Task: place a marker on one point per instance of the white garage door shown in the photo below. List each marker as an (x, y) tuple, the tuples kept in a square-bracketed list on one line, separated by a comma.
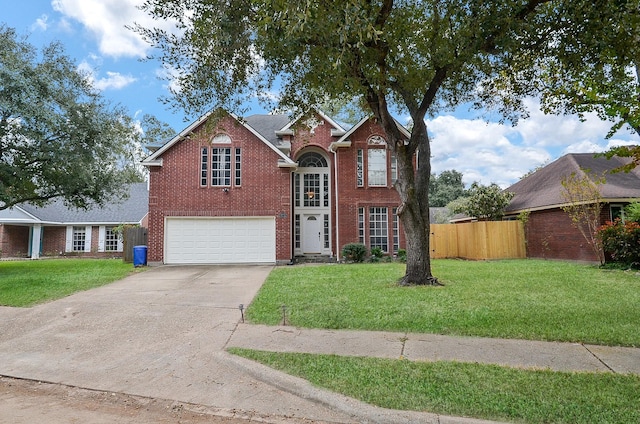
[(220, 240)]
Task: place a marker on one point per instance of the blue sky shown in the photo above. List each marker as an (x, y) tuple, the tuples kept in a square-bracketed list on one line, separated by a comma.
[(94, 35)]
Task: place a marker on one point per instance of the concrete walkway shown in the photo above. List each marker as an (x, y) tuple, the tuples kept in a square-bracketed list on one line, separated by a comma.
[(430, 347), (163, 334)]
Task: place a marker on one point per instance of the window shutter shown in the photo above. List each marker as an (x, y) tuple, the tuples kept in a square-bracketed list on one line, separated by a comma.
[(101, 237), (87, 240)]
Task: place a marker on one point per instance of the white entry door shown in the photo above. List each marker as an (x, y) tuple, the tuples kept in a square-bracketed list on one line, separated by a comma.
[(312, 234)]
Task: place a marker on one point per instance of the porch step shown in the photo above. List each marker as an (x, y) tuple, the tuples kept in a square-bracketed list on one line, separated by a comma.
[(314, 259)]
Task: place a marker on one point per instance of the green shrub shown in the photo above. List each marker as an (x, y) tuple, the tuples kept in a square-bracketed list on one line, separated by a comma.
[(632, 211), (402, 255), (621, 242), (354, 252)]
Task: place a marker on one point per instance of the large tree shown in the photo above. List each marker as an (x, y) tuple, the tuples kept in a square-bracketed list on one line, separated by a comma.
[(486, 203), (445, 188), (412, 56), (599, 74), (58, 137)]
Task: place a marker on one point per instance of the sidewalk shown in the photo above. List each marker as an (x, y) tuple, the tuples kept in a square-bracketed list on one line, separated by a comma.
[(429, 347)]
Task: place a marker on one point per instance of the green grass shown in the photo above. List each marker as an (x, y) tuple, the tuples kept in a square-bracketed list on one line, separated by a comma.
[(522, 299), (480, 391), (26, 283)]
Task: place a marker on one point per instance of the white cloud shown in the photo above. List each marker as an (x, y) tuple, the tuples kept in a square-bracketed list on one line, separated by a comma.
[(171, 75), (544, 130), (113, 80), (41, 23), (107, 21), (481, 151), (501, 154)]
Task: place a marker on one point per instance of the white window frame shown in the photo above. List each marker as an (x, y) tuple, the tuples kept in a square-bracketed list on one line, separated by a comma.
[(204, 166), (379, 228), (360, 168), (69, 245), (102, 239), (237, 166), (220, 166), (377, 167)]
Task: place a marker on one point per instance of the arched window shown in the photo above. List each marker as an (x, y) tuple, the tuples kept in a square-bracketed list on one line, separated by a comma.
[(221, 139), (312, 160)]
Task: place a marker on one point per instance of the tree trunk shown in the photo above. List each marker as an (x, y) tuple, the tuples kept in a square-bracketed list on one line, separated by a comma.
[(413, 187)]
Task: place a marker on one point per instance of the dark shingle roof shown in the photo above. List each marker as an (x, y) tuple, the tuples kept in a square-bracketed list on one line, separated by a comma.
[(544, 187), (267, 125), (131, 210)]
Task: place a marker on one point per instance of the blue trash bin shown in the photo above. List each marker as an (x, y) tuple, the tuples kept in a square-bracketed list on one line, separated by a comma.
[(139, 256)]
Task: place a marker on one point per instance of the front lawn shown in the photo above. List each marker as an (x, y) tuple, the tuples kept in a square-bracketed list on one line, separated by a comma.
[(525, 299), (475, 390), (26, 283), (522, 299)]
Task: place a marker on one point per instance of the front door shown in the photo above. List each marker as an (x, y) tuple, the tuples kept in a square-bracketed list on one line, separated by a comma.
[(312, 237), (312, 203)]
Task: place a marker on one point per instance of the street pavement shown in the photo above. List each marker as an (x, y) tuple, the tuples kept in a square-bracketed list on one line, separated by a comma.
[(163, 334)]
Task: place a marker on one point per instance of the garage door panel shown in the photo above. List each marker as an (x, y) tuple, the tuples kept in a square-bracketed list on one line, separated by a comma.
[(220, 240)]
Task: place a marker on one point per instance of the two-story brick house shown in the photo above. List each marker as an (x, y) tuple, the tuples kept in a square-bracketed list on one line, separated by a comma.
[(262, 189)]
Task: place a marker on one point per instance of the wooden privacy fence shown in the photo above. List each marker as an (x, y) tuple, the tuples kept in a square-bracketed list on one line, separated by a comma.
[(478, 240), (133, 236)]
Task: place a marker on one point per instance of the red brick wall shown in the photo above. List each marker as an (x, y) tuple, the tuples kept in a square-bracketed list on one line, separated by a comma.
[(14, 241), (53, 241), (353, 197), (551, 235), (175, 187)]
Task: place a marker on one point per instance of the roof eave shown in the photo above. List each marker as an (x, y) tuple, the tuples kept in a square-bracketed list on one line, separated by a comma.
[(157, 162)]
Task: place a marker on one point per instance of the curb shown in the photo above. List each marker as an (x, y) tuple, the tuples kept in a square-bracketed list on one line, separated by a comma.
[(359, 411)]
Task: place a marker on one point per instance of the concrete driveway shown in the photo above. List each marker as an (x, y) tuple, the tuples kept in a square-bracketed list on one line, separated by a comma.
[(159, 333)]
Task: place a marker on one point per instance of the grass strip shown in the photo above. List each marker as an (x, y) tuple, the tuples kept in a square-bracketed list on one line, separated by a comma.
[(27, 283), (522, 299), (463, 389)]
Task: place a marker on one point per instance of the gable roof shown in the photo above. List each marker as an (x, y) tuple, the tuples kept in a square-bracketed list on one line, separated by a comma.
[(543, 188), (353, 129), (337, 129), (155, 159), (130, 211)]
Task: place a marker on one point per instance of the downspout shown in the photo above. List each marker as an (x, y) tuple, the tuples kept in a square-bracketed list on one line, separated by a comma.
[(333, 149)]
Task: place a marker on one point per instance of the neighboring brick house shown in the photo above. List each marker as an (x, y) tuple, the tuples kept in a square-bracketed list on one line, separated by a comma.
[(550, 232), (262, 189), (57, 230)]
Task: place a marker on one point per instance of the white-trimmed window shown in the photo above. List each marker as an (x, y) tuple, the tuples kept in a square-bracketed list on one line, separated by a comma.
[(111, 240), (396, 231), (78, 238), (361, 239), (360, 169), (394, 168), (238, 165), (379, 228), (108, 239), (221, 139), (204, 166), (220, 166), (377, 167)]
